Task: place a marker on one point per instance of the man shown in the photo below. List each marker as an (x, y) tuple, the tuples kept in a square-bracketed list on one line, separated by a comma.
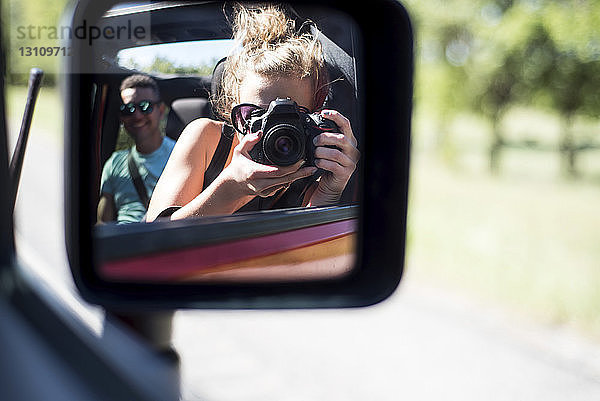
[(141, 113)]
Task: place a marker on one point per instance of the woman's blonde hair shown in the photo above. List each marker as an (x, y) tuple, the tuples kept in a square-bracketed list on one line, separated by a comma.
[(269, 44)]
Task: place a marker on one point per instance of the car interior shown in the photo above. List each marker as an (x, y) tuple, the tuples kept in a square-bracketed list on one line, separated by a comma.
[(187, 96)]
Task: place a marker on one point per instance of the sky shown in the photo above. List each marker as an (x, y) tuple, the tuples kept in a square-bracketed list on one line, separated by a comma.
[(181, 53)]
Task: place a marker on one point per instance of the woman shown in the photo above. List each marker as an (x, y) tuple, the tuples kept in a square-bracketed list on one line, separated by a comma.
[(272, 61)]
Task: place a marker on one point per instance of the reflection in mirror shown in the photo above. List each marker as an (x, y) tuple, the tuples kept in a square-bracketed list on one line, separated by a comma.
[(235, 132)]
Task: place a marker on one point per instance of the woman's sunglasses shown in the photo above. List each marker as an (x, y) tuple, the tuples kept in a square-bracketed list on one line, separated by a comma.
[(241, 115), (244, 112), (146, 107)]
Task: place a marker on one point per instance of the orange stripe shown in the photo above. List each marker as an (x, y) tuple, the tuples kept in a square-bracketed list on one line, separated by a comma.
[(176, 264), (325, 260)]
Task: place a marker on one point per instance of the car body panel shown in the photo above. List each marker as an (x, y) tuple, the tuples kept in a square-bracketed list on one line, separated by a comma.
[(321, 251)]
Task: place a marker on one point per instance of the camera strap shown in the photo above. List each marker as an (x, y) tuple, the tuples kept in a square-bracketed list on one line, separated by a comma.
[(217, 163)]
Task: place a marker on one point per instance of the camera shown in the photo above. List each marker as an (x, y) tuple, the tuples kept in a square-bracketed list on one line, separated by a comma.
[(288, 134)]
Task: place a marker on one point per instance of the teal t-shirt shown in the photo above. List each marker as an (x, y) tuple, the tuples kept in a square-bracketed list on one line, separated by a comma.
[(117, 181)]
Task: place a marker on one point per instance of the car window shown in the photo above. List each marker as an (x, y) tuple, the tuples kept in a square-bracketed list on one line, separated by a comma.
[(181, 58)]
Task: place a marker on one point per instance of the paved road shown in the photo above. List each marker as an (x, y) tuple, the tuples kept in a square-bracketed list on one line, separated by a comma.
[(423, 344)]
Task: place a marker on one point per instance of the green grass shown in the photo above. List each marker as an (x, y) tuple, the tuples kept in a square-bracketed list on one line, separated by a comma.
[(528, 238), (48, 114)]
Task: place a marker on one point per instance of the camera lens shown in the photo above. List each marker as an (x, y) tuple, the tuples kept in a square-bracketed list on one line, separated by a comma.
[(283, 145)]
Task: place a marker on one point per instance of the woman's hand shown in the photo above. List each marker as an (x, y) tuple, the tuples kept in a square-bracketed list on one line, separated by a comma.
[(256, 179), (338, 163)]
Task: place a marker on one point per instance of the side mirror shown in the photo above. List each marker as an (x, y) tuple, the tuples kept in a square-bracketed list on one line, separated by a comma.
[(345, 255)]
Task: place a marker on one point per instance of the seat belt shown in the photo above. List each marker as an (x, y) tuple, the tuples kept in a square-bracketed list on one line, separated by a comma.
[(137, 181)]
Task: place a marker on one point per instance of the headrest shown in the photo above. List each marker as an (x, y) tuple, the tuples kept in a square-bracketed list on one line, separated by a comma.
[(183, 111), (188, 109), (215, 84), (343, 90)]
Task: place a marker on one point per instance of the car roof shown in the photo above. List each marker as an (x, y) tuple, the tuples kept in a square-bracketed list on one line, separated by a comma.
[(204, 20), (170, 22)]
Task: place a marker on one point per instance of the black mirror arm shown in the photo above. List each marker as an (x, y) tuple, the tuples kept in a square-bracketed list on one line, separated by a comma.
[(16, 163)]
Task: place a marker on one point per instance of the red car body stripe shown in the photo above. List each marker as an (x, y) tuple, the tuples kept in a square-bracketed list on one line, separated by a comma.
[(172, 265)]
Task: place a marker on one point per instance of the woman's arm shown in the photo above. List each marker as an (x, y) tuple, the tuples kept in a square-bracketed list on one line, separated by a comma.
[(183, 177)]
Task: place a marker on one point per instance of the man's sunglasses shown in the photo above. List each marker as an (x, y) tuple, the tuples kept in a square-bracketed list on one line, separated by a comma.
[(146, 107), (242, 113)]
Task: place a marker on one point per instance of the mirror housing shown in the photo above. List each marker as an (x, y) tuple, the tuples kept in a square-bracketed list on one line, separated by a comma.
[(386, 76)]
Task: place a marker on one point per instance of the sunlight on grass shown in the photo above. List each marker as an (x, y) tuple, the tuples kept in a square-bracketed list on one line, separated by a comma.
[(527, 238)]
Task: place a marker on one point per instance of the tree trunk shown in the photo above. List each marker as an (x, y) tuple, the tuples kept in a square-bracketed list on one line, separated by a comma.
[(568, 149), (496, 146)]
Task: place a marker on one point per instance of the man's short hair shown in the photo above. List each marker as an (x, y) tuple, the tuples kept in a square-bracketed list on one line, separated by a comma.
[(140, 81)]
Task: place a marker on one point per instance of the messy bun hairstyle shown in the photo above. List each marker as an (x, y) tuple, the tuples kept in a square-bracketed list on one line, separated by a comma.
[(268, 43)]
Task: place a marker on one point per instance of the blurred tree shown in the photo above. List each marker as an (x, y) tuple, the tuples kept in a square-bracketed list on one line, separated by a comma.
[(164, 65), (443, 42), (29, 24), (573, 86), (490, 55), (521, 69)]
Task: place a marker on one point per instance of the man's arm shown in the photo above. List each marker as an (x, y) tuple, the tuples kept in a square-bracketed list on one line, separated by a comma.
[(107, 211)]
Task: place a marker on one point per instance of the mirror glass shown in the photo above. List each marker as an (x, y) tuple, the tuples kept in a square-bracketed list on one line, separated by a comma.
[(245, 150)]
